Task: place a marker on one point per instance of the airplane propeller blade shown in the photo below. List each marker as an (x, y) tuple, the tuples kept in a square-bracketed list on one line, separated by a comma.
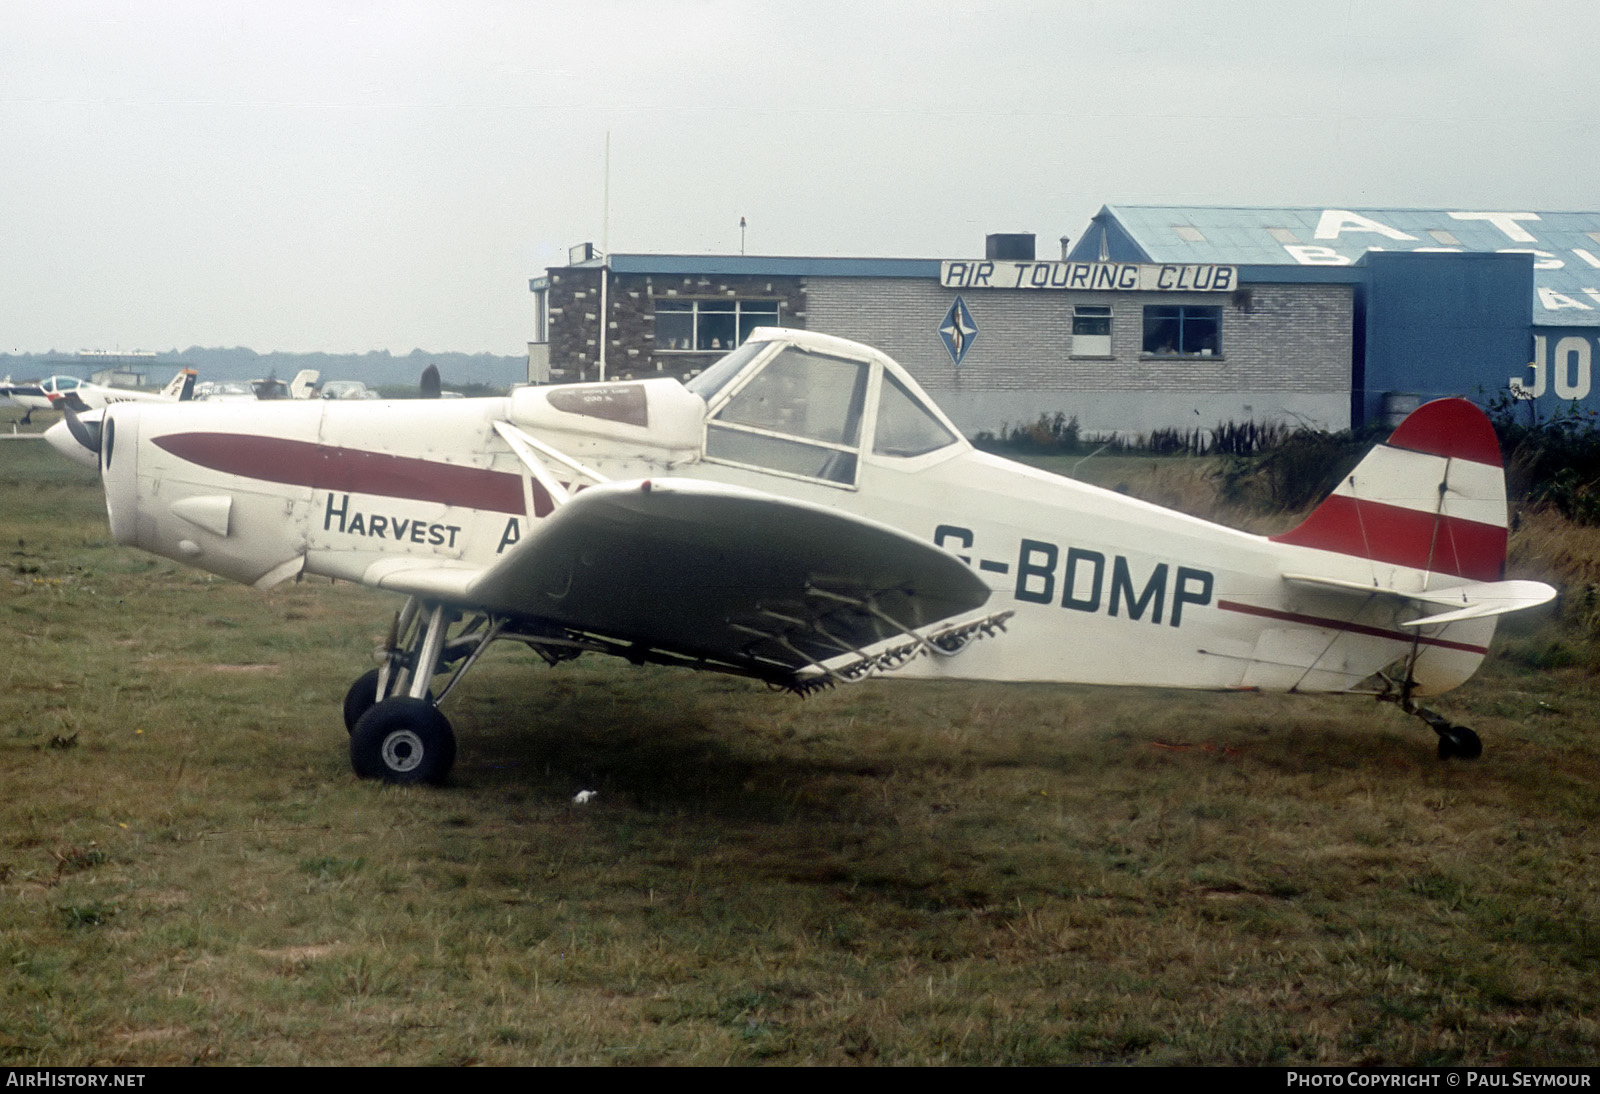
[(430, 382), (72, 401), (85, 433)]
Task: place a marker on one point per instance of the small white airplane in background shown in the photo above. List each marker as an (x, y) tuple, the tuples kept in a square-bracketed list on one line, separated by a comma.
[(303, 386), (83, 396), (346, 389), (801, 513)]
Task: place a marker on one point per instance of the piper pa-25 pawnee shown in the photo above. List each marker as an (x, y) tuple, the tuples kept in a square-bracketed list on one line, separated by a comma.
[(802, 514)]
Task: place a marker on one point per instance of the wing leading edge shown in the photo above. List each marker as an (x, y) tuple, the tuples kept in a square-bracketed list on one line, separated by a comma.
[(720, 574)]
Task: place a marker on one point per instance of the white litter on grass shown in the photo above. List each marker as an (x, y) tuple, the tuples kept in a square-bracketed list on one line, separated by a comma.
[(584, 797)]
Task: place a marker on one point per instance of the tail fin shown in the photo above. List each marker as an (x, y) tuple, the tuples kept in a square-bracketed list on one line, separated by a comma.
[(304, 383), (1421, 521), (1432, 498), (181, 386)]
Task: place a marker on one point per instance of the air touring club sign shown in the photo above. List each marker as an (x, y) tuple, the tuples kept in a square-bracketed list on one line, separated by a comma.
[(995, 273)]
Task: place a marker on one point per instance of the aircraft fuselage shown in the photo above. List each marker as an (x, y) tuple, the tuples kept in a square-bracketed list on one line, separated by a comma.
[(1106, 589)]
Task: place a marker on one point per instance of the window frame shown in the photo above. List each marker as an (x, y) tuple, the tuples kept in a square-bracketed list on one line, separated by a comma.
[(729, 392), (1186, 313), (1093, 312), (887, 381), (768, 309)]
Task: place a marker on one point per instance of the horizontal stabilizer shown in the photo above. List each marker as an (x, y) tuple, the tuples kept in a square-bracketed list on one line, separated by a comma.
[(1471, 600)]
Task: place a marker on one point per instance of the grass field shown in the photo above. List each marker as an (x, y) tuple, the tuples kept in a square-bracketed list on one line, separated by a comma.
[(888, 873)]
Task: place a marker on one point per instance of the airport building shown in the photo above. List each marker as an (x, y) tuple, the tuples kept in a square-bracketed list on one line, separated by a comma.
[(1449, 301), (1159, 317)]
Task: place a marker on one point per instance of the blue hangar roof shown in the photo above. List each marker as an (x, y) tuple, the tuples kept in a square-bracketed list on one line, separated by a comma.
[(1565, 246)]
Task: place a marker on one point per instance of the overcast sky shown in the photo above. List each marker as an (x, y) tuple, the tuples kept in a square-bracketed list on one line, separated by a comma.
[(348, 176)]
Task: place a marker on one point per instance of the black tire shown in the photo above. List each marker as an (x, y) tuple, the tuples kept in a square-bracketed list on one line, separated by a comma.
[(1461, 742), (403, 740), (1469, 746), (361, 697)]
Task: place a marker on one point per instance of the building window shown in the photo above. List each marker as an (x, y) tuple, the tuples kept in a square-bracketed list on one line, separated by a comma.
[(1091, 331), (710, 326), (1182, 331)]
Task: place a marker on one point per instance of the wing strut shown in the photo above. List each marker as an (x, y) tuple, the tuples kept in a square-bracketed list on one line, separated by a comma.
[(530, 450)]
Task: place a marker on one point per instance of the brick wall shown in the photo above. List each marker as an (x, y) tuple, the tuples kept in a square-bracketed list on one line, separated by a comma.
[(1289, 337), (1285, 349), (1277, 341)]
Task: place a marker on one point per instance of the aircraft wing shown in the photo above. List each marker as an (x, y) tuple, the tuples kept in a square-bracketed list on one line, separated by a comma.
[(715, 573)]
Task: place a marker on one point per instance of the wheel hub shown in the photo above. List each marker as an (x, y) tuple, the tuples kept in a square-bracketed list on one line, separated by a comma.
[(402, 751)]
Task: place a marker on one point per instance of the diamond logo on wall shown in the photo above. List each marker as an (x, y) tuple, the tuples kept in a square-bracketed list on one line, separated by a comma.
[(958, 331)]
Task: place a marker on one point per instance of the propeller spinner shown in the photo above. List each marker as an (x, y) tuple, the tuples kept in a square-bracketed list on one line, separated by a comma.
[(78, 436)]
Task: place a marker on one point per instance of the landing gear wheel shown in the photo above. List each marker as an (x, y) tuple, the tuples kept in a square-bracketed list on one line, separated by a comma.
[(361, 697), (403, 740), (1459, 741)]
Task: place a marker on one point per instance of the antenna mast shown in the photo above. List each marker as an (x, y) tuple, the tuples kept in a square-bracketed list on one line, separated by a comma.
[(605, 260)]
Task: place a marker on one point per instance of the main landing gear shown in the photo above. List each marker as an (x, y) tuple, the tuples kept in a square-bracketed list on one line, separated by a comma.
[(397, 733)]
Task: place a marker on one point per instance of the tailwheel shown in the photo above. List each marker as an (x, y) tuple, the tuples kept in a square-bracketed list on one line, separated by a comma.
[(1455, 742), (1458, 741), (403, 740)]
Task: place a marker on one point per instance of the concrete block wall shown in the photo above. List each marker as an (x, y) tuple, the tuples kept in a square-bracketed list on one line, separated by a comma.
[(1286, 353)]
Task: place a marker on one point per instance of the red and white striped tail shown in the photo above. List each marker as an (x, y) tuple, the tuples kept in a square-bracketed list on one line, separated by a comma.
[(1432, 498)]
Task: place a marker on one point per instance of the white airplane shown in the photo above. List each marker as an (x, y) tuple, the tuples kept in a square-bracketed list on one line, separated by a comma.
[(801, 513), (83, 396), (303, 386)]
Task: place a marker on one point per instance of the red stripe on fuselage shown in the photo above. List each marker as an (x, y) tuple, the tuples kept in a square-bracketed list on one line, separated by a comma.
[(328, 467), (1405, 537), (1341, 625)]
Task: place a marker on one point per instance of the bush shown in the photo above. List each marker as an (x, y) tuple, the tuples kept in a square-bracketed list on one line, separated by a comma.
[(1555, 461), (1053, 434), (1059, 435)]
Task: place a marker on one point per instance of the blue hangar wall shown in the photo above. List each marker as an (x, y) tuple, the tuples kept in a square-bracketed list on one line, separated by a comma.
[(1439, 324)]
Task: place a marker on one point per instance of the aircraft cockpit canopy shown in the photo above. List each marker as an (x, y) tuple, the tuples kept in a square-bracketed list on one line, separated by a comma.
[(788, 406)]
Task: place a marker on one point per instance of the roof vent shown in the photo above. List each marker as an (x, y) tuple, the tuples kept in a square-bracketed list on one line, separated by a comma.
[(1015, 246)]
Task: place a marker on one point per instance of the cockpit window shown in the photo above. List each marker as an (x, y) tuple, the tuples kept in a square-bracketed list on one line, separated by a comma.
[(714, 379), (905, 426), (801, 415), (804, 395)]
